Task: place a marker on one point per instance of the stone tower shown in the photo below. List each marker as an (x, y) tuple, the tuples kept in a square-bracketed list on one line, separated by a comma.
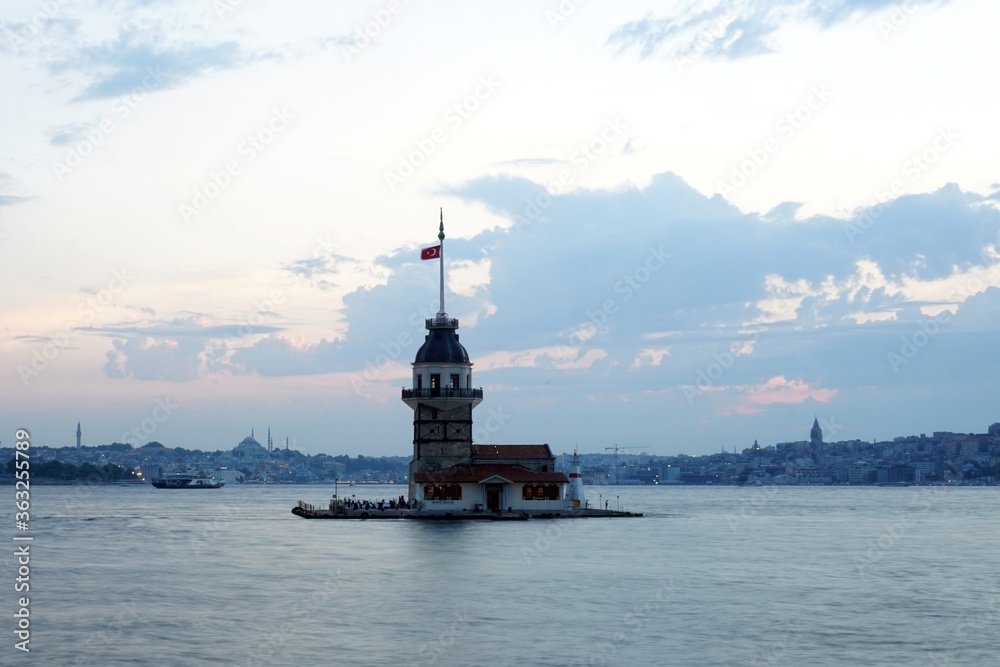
[(816, 440), (441, 393)]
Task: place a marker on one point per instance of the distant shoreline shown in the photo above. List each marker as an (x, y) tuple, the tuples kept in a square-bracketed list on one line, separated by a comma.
[(9, 481)]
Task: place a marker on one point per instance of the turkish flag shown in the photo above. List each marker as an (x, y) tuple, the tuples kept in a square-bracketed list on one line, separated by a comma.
[(431, 253)]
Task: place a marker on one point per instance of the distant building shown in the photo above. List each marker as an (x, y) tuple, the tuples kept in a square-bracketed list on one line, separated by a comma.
[(79, 434), (249, 449), (227, 475), (861, 473), (816, 441)]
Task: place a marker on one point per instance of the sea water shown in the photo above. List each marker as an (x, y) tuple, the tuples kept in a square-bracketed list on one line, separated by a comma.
[(709, 576)]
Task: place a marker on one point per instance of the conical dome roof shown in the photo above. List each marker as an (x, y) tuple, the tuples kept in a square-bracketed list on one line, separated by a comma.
[(441, 345)]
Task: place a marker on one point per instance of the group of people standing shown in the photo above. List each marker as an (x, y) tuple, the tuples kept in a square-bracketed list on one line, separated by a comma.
[(353, 503)]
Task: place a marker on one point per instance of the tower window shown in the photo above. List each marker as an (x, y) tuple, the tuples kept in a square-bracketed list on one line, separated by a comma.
[(455, 380), (435, 383), (420, 382)]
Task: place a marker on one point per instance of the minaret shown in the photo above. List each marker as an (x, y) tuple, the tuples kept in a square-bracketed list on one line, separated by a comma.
[(270, 443), (79, 434), (441, 395)]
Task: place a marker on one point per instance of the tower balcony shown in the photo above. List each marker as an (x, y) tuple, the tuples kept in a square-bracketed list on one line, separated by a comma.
[(441, 322), (443, 392)]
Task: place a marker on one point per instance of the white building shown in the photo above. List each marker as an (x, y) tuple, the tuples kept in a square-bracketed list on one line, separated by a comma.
[(227, 475)]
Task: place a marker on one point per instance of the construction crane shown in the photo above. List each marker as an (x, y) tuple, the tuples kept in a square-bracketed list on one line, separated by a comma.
[(615, 449)]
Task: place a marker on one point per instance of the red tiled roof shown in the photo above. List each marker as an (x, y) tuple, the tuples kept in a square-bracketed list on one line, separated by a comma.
[(494, 452), (477, 472)]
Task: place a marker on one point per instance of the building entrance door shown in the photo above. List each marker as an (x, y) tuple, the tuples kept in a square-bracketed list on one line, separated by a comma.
[(493, 497)]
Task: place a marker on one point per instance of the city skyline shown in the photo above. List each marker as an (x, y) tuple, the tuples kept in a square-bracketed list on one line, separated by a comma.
[(668, 227), (817, 434)]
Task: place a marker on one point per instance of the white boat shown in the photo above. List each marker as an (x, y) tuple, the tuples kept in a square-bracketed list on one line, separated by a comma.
[(187, 481)]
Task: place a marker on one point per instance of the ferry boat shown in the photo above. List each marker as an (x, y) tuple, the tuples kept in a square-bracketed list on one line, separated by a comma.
[(187, 481)]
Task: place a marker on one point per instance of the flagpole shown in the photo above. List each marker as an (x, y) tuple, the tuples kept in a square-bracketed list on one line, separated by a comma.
[(441, 257)]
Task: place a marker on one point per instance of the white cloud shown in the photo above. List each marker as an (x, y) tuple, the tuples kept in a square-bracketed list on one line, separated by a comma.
[(778, 390), (649, 357), (740, 28)]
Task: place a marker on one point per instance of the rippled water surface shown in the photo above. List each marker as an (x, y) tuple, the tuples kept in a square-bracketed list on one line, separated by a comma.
[(709, 576)]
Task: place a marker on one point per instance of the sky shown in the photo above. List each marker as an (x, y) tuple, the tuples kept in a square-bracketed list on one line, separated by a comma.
[(671, 227)]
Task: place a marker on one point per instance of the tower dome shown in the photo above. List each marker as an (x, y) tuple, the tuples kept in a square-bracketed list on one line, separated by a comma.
[(441, 344)]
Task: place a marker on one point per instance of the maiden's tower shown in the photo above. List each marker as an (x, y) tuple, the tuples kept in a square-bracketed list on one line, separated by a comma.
[(449, 475)]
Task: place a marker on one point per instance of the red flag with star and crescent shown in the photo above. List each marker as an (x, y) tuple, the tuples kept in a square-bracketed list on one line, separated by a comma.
[(431, 253)]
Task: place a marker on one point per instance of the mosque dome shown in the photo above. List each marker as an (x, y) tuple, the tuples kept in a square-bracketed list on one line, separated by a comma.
[(249, 447)]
